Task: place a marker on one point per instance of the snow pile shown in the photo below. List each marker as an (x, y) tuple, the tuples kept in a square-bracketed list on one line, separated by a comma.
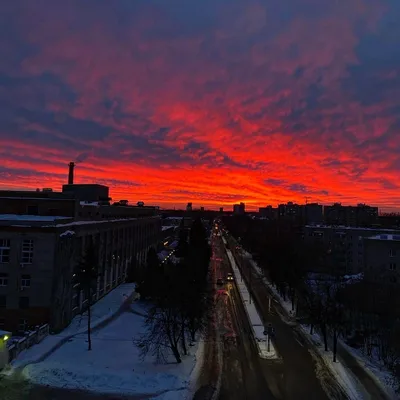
[(114, 365), (252, 313), (104, 309), (67, 233)]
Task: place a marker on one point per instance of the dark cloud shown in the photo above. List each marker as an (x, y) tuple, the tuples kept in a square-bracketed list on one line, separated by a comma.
[(215, 95)]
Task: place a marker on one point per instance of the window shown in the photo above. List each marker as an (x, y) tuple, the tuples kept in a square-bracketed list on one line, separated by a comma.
[(27, 251), (22, 324), (392, 253), (392, 266), (3, 279), (23, 302), (25, 281), (4, 251), (3, 301)]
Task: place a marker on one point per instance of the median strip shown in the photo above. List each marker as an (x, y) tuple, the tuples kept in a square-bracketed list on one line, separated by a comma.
[(265, 347)]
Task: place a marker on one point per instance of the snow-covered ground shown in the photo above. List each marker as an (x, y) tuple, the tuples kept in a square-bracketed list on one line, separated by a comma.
[(102, 310), (375, 369), (252, 313), (114, 365), (343, 375)]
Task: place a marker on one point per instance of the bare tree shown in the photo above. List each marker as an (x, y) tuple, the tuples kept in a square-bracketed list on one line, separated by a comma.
[(163, 332), (86, 274)]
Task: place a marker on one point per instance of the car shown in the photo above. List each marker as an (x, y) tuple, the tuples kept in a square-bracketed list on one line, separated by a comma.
[(220, 281), (229, 277)]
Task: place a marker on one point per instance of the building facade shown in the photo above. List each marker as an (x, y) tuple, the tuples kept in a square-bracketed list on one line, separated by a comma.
[(382, 258), (38, 257), (345, 243), (239, 209), (361, 215)]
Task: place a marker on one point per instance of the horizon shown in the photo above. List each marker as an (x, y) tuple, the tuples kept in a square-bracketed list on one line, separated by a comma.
[(214, 103)]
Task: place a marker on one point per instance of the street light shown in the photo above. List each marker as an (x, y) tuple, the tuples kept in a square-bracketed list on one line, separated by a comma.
[(268, 333)]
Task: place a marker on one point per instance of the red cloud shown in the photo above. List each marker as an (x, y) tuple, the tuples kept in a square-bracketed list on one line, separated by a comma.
[(203, 110)]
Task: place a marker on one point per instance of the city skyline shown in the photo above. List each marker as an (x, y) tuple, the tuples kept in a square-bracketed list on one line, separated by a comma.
[(214, 103)]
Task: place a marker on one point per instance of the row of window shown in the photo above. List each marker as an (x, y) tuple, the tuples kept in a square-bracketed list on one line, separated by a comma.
[(25, 280), (23, 302), (26, 251)]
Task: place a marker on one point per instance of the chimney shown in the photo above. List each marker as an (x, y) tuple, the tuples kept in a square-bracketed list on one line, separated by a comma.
[(71, 166)]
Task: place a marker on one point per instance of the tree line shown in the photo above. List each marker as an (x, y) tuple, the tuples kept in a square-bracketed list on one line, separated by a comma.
[(364, 310), (179, 295)]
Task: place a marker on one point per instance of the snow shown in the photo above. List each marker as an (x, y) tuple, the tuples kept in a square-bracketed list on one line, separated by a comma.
[(67, 233), (256, 322), (114, 365), (4, 333), (355, 228), (104, 309), (386, 237), (164, 228), (375, 370), (32, 218), (343, 375)]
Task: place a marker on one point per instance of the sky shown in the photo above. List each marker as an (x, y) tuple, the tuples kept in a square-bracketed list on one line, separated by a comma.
[(212, 101)]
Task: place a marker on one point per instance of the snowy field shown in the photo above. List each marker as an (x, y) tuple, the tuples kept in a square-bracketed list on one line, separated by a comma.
[(114, 365), (104, 309), (252, 313)]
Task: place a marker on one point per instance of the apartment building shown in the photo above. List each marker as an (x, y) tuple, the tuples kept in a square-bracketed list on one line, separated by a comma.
[(361, 215), (38, 255), (300, 213), (382, 258), (345, 243)]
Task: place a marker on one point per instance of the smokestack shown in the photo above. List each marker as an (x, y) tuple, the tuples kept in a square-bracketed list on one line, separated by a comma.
[(71, 166)]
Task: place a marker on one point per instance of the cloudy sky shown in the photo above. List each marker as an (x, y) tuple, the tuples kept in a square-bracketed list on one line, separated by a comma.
[(211, 101)]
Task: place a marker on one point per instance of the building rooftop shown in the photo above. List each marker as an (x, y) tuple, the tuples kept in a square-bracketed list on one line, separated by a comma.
[(394, 231), (30, 220), (386, 237)]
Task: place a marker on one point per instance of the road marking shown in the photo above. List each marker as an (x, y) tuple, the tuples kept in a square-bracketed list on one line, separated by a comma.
[(298, 341)]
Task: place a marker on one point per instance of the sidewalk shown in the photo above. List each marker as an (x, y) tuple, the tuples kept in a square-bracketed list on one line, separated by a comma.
[(361, 376)]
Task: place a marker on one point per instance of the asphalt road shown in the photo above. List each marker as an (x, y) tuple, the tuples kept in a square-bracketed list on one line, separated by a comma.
[(243, 372), (302, 377)]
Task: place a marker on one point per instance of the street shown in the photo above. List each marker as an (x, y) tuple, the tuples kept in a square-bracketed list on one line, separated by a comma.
[(244, 374), (302, 377)]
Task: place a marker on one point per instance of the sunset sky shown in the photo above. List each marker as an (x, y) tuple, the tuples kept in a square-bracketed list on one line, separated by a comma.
[(210, 101)]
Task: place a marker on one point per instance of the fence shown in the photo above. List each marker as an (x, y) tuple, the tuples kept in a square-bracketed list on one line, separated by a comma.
[(31, 339)]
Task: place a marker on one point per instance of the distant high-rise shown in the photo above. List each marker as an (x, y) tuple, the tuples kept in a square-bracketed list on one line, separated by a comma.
[(360, 215), (239, 209), (221, 209), (189, 207)]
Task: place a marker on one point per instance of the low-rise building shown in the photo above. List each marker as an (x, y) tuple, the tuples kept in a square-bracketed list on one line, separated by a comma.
[(382, 258), (345, 243), (38, 255)]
